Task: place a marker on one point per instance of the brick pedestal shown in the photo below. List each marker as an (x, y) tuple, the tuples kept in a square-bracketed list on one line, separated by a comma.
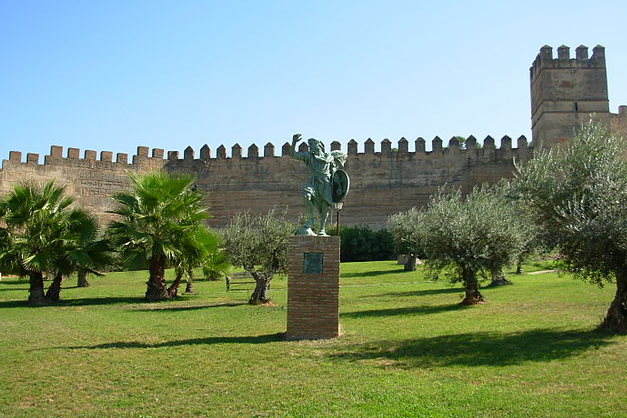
[(313, 287)]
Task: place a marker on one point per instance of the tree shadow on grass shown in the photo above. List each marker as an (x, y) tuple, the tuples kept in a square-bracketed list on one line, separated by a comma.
[(8, 284), (424, 292), (409, 310), (257, 339), (164, 306), (189, 308), (12, 281), (480, 349), (371, 273), (74, 302)]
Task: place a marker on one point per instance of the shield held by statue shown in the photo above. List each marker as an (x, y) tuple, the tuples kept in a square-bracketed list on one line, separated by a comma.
[(341, 185)]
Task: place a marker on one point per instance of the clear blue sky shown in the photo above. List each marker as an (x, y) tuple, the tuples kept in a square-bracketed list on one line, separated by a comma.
[(111, 75)]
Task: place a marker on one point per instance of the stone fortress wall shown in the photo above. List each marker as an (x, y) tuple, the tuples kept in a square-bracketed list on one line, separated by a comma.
[(385, 180)]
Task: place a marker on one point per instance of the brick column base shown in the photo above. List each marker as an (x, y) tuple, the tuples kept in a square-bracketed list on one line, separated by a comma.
[(313, 287)]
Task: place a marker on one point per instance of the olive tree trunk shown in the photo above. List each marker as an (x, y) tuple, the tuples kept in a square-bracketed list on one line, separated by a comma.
[(473, 296), (616, 318), (54, 290), (156, 283), (410, 262), (82, 278), (36, 289), (498, 278), (262, 284)]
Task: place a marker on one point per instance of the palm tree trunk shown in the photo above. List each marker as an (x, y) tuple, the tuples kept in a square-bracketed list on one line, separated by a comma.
[(189, 281), (473, 296), (173, 290), (82, 278), (36, 289), (54, 289), (616, 318), (189, 286), (260, 294), (156, 284)]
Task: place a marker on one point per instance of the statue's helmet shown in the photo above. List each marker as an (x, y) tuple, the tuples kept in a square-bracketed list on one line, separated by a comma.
[(315, 144)]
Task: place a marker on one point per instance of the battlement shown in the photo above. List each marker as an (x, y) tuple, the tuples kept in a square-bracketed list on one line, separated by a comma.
[(145, 155), (545, 59), (386, 176), (72, 155)]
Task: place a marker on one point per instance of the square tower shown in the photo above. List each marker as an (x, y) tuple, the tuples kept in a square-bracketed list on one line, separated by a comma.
[(565, 91)]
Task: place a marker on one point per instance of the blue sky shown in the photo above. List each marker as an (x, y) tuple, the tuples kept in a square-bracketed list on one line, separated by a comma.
[(112, 75)]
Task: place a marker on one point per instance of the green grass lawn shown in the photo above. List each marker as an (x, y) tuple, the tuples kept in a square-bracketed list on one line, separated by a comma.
[(408, 350)]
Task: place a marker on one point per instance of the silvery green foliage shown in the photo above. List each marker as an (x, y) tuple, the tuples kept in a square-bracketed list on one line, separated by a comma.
[(258, 243), (403, 227), (578, 194), (468, 236)]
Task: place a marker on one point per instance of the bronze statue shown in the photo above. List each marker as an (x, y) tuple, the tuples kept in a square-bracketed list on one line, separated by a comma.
[(327, 185)]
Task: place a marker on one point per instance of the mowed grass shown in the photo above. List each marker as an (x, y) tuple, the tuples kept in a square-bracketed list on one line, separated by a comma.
[(407, 350)]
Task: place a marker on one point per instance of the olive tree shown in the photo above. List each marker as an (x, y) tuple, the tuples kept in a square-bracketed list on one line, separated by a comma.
[(402, 226), (470, 237), (259, 245), (579, 196)]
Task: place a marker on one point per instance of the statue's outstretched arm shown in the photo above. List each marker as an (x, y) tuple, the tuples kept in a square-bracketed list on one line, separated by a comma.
[(293, 153)]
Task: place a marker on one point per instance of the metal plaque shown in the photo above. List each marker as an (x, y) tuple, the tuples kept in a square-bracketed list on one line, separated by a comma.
[(312, 263)]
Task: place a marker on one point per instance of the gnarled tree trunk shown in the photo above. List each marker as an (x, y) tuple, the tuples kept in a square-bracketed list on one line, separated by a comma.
[(410, 262), (82, 278), (156, 284), (498, 278), (519, 266), (54, 290), (36, 289), (473, 296), (616, 317), (260, 294)]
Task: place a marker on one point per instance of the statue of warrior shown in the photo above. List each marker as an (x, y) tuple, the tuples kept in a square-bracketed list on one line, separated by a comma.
[(327, 185)]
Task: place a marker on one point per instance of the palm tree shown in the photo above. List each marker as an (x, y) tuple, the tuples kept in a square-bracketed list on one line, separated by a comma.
[(41, 233), (155, 222), (216, 266), (80, 250), (200, 251)]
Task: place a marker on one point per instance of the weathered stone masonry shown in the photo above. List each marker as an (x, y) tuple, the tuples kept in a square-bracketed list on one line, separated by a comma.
[(383, 182)]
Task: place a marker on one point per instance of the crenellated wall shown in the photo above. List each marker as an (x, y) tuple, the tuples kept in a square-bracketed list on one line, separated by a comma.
[(91, 179), (383, 181)]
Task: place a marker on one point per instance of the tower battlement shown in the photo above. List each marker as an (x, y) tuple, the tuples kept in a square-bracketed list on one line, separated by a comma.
[(566, 91), (545, 59)]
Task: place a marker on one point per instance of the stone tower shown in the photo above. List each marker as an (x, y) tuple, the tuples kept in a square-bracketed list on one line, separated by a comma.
[(565, 91)]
